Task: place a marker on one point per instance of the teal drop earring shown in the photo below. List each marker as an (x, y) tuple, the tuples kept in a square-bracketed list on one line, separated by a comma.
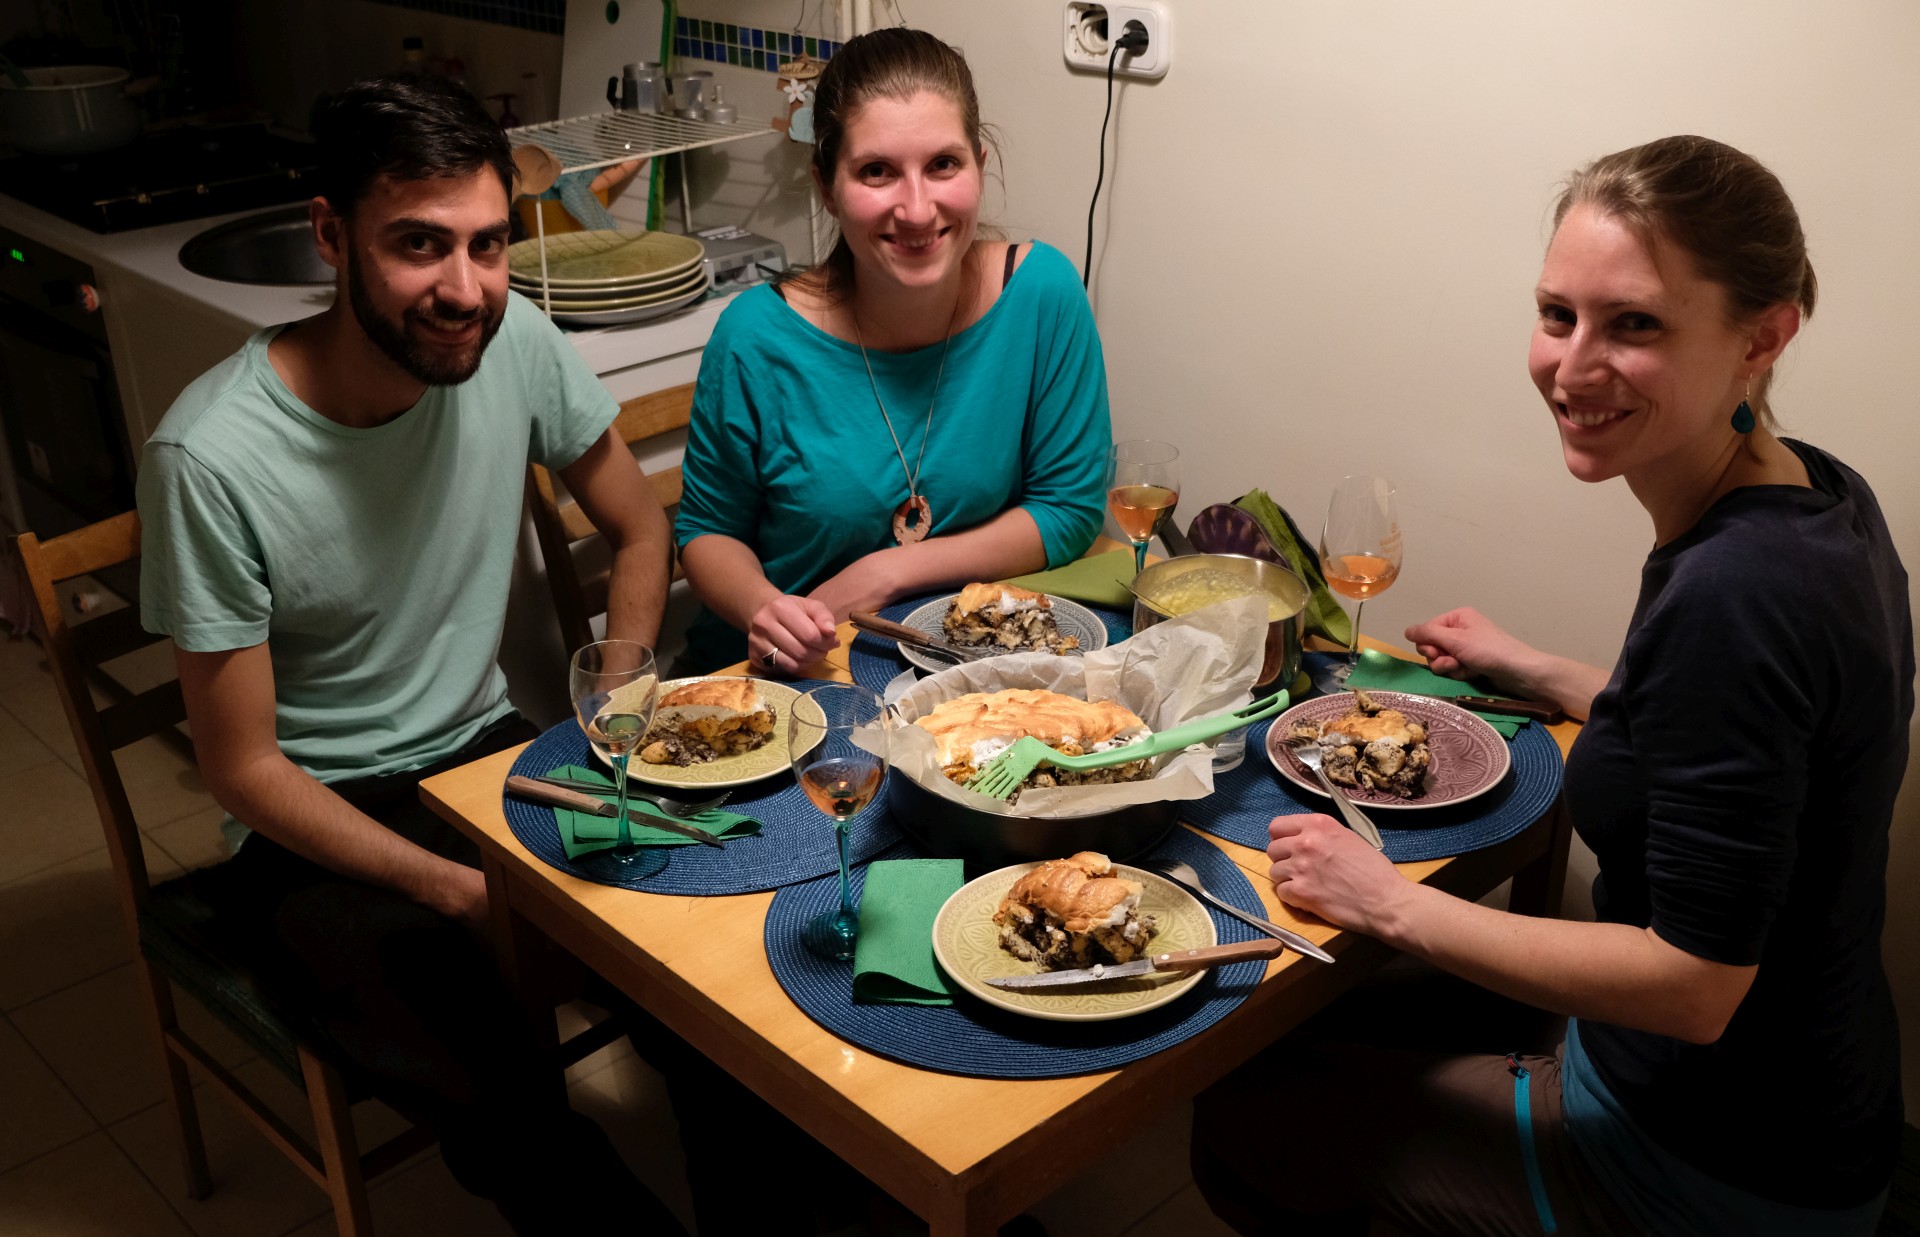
[(1743, 421)]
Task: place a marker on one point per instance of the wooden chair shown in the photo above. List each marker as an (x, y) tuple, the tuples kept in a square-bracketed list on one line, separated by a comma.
[(561, 525), (170, 922)]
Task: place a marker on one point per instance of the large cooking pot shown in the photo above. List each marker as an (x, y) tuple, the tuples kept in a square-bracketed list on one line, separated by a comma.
[(1159, 594), (989, 840), (69, 110)]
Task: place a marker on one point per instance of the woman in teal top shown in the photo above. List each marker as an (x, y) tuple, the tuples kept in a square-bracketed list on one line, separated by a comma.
[(924, 409)]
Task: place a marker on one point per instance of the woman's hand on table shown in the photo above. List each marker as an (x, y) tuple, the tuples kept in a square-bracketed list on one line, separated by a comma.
[(867, 583), (1465, 644), (799, 630), (1320, 865)]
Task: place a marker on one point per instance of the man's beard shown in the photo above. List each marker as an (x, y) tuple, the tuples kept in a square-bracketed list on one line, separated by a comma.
[(435, 368)]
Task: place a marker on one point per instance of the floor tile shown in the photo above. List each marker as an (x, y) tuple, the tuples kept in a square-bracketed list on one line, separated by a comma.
[(194, 841), (35, 704), (575, 1017), (256, 1190), (41, 1113), (629, 1100), (1184, 1215), (425, 1201), (21, 658), (97, 1038), (49, 819), (64, 924), (162, 784), (85, 1189), (19, 749), (1111, 1196)]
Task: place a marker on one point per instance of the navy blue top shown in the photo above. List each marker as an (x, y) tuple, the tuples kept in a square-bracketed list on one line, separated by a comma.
[(1736, 781)]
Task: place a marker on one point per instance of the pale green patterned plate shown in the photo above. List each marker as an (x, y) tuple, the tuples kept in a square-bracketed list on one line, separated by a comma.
[(599, 259), (762, 762), (966, 943)]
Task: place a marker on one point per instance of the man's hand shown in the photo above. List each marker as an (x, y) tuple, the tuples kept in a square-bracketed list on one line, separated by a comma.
[(1320, 865), (799, 629), (461, 896)]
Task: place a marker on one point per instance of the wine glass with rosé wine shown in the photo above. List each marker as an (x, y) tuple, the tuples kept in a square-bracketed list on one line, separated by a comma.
[(1143, 484), (1360, 551), (615, 689), (838, 736)]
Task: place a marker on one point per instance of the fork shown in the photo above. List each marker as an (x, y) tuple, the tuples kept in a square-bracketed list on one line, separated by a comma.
[(1308, 753), (1000, 777), (1182, 874), (667, 804)]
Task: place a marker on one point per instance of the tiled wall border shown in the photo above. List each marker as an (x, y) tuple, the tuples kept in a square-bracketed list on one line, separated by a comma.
[(750, 47)]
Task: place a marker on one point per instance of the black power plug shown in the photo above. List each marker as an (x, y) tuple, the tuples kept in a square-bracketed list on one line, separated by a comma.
[(1133, 39)]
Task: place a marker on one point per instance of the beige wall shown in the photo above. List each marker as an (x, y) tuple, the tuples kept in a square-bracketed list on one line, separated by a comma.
[(1321, 232)]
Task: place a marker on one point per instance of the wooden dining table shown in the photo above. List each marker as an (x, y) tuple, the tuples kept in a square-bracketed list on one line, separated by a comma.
[(966, 1154)]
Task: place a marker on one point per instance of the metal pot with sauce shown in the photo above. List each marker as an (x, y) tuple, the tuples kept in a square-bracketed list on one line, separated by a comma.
[(1189, 582)]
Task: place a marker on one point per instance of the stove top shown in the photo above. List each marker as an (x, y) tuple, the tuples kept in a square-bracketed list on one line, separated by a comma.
[(165, 176)]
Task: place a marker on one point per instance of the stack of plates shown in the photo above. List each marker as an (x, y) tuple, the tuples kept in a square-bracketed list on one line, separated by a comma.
[(603, 278)]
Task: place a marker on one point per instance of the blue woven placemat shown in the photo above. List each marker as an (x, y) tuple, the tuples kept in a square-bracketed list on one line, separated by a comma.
[(979, 1041), (795, 842), (1246, 798), (875, 660)]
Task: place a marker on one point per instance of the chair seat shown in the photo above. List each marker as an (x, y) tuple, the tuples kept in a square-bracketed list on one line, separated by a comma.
[(179, 931)]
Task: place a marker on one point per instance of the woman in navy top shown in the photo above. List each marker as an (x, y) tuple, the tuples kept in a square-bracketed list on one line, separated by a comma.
[(1731, 1064)]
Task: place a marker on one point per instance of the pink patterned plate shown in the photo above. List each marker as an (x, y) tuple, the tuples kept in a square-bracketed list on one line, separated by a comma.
[(1469, 756)]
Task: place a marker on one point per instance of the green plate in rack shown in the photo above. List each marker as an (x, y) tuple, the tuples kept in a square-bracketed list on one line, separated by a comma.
[(605, 259)]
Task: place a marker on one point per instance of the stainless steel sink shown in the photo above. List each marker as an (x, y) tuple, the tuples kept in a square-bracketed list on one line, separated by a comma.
[(275, 246)]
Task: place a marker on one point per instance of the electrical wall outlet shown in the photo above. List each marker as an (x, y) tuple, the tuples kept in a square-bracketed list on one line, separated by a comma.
[(1091, 28)]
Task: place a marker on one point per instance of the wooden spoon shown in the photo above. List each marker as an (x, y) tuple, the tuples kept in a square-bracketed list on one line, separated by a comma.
[(536, 170)]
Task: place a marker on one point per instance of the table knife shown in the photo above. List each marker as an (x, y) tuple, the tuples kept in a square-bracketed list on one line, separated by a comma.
[(1537, 710), (913, 635), (555, 796), (1186, 960)]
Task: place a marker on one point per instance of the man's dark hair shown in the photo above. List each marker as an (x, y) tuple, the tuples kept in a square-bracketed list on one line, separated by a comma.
[(405, 127)]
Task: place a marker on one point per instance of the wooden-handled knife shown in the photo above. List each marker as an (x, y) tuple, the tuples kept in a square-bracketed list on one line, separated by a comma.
[(554, 796)]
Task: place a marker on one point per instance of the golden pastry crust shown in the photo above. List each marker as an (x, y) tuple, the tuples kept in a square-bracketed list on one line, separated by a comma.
[(1005, 617), (976, 727), (706, 721), (1074, 912), (1370, 746), (740, 695)]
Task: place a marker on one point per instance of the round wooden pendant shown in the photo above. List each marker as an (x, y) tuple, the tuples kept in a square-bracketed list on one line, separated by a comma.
[(911, 520)]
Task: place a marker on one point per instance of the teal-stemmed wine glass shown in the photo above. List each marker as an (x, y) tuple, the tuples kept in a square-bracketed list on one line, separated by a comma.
[(837, 736), (615, 689)]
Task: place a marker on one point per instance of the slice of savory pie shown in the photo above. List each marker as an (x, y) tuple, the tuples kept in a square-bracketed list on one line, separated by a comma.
[(972, 729), (1074, 912), (704, 721), (1370, 746), (1000, 616)]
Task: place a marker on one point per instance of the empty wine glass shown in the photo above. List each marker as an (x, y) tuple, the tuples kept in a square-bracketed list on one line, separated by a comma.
[(837, 738), (615, 690), (1360, 552), (1143, 484)]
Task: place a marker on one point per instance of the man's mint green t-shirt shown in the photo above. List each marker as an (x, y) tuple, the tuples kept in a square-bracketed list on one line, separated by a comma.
[(373, 562)]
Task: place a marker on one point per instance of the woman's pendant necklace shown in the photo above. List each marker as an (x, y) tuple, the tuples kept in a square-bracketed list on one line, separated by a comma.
[(912, 519)]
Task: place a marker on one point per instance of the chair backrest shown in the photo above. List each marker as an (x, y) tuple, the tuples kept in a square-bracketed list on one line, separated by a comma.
[(76, 650), (560, 524)]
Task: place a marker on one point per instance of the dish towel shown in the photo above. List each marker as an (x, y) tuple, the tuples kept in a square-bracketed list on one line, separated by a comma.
[(1099, 581), (893, 957), (1393, 674), (582, 834), (1324, 614)]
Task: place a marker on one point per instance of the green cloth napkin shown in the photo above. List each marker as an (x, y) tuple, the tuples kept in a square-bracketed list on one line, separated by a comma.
[(1100, 580), (582, 834), (1394, 674), (893, 957), (1324, 615)]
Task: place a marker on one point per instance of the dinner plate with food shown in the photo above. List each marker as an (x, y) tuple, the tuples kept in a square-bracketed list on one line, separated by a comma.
[(1062, 914), (715, 731), (1390, 751), (1000, 618)]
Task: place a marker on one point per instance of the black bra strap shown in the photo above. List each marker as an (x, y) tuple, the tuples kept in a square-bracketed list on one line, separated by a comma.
[(1012, 251)]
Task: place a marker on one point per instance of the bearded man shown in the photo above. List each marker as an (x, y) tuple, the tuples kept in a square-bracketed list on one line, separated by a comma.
[(330, 518)]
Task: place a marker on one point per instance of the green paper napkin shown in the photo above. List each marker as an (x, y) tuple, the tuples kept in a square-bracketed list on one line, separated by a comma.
[(1100, 580), (893, 957), (1393, 674), (1324, 615), (582, 834)]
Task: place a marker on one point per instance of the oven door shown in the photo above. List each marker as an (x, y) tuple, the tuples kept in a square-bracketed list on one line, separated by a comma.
[(70, 461)]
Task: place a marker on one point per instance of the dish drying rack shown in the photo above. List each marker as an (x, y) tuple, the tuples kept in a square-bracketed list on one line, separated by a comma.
[(602, 139)]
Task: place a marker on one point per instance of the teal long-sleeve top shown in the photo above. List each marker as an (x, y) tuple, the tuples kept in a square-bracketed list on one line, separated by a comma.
[(788, 452)]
